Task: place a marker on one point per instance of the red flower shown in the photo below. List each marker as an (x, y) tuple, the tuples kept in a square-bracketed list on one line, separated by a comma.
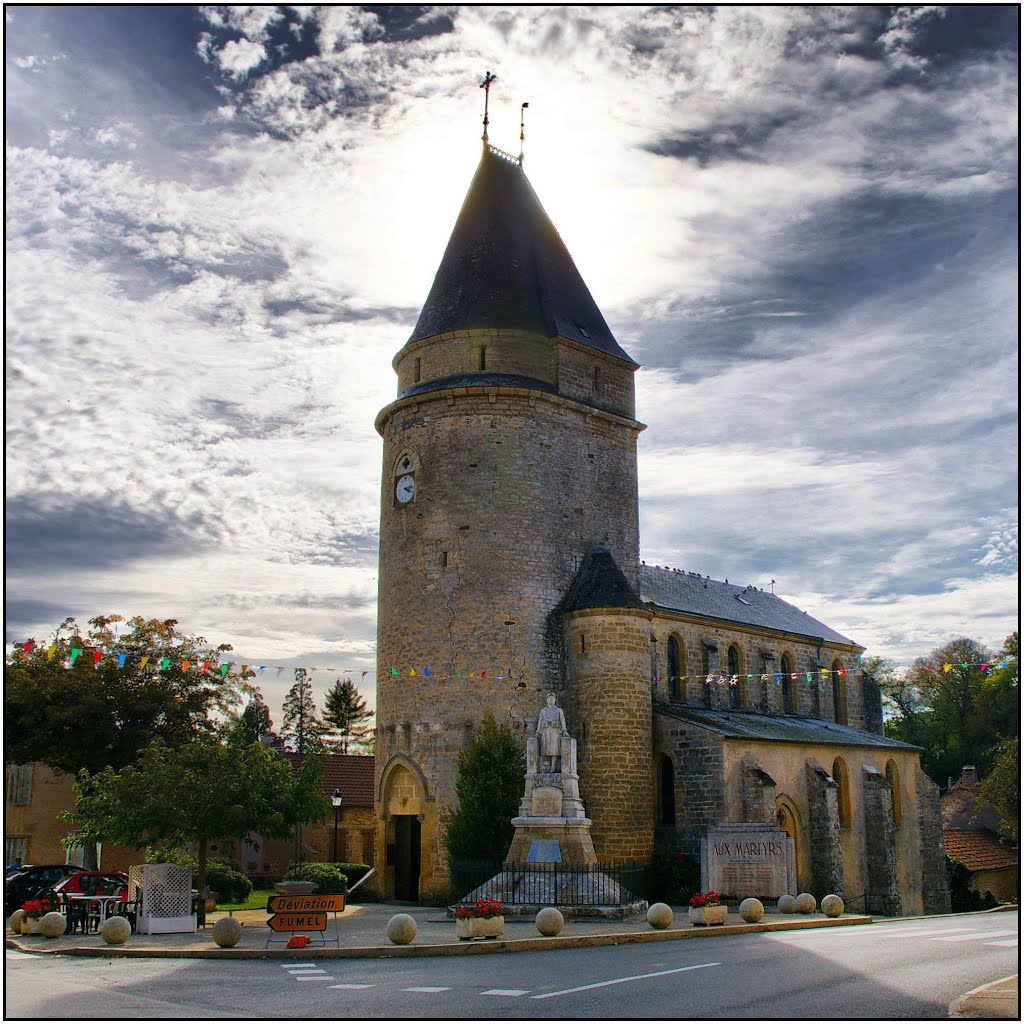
[(706, 899), (482, 908)]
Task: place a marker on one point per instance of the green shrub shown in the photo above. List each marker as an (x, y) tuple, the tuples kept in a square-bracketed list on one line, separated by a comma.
[(328, 877), (230, 884), (674, 879), (353, 872)]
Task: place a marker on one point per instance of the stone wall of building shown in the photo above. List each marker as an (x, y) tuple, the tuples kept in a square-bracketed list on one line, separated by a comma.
[(934, 879), (607, 654), (824, 826), (704, 650), (882, 875), (513, 488), (698, 759)]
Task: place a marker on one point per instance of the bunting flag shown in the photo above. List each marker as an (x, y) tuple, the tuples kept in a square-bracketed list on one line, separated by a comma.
[(185, 664), (426, 672), (27, 646), (165, 664), (50, 650), (75, 652), (224, 670), (121, 659), (144, 661)]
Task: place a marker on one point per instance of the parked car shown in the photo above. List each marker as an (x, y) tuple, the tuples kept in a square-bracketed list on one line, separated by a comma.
[(95, 883), (25, 884)]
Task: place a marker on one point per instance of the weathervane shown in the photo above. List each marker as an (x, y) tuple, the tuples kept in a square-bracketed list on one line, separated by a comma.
[(486, 86), (522, 129)]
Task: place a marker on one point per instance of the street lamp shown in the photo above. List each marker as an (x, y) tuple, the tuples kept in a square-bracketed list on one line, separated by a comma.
[(336, 804)]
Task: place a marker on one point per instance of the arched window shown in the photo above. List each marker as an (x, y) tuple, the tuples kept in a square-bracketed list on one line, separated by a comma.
[(786, 668), (666, 791), (840, 710), (737, 680), (841, 777), (892, 777), (674, 669)]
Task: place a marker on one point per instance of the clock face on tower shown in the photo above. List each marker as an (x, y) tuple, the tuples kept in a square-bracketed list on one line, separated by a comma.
[(405, 489)]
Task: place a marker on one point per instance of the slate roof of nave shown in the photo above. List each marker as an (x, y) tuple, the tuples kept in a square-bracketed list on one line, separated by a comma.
[(507, 266), (749, 725), (680, 591)]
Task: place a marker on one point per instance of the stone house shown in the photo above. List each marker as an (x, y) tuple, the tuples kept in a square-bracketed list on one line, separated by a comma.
[(509, 567), (970, 834)]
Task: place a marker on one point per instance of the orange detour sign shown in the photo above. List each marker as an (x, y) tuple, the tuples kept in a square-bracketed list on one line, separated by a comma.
[(305, 904), (298, 922)]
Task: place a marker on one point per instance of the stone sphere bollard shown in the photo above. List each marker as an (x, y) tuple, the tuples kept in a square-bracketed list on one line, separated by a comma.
[(115, 931), (53, 925), (787, 904), (751, 910), (14, 921), (550, 921), (832, 906), (805, 903), (401, 929), (659, 915), (227, 932)]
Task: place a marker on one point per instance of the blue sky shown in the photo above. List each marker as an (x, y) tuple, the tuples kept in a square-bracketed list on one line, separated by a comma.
[(222, 222)]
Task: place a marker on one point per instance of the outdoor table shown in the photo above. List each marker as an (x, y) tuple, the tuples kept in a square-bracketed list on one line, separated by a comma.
[(103, 901)]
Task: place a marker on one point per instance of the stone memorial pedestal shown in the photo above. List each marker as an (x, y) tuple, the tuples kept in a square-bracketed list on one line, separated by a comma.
[(747, 859)]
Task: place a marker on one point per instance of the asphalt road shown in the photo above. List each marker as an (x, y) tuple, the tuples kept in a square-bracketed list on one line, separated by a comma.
[(911, 969)]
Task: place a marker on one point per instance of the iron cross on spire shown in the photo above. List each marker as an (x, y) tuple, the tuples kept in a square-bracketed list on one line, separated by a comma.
[(486, 86)]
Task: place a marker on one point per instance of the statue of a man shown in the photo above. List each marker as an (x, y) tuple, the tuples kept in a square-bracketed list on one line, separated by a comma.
[(551, 728)]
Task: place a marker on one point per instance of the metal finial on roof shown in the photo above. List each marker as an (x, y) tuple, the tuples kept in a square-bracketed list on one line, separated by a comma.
[(522, 130), (486, 86)]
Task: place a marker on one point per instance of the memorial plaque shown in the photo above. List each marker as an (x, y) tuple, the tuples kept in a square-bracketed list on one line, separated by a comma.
[(544, 851), (748, 859)]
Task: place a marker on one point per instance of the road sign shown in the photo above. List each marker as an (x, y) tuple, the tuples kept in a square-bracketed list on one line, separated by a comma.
[(288, 904), (298, 922)]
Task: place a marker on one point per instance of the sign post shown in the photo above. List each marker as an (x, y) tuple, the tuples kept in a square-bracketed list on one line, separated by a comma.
[(303, 914)]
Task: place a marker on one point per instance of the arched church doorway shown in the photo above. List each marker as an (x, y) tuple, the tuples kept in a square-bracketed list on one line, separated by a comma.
[(407, 857), (403, 808), (786, 818)]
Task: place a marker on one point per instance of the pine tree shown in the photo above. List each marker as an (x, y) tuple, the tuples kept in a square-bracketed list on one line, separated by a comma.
[(489, 786), (345, 714), (301, 730), (253, 723)]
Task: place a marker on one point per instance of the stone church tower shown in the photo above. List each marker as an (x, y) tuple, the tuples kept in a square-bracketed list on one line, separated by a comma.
[(509, 456)]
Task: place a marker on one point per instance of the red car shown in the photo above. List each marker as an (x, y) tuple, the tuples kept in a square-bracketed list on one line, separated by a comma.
[(95, 883)]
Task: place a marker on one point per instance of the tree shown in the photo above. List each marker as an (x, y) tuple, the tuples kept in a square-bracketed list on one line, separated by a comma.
[(489, 787), (345, 714), (74, 711), (957, 704), (1002, 787), (204, 790), (93, 699), (253, 723), (302, 729)]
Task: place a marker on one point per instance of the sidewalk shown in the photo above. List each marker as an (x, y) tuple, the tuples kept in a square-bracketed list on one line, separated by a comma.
[(362, 932), (998, 1001)]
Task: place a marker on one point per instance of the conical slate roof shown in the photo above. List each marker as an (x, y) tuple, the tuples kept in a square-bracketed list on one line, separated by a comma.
[(600, 583), (507, 267)]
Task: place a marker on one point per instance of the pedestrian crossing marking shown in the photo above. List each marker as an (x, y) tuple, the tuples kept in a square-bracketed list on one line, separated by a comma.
[(353, 986), (427, 988), (506, 992), (305, 970), (313, 977), (974, 936), (295, 967), (1007, 943)]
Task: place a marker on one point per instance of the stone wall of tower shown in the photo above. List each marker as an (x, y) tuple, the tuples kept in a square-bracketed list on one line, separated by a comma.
[(608, 665), (513, 487)]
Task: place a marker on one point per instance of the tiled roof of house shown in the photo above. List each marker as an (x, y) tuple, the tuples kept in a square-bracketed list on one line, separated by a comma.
[(677, 590), (351, 774), (749, 725), (978, 849)]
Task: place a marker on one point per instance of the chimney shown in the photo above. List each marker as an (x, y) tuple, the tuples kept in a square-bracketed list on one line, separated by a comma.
[(968, 777)]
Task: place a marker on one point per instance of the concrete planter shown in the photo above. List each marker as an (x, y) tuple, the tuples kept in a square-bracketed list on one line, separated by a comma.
[(479, 927), (31, 926), (709, 915)]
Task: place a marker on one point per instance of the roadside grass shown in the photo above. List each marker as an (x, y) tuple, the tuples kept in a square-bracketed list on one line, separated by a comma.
[(257, 901)]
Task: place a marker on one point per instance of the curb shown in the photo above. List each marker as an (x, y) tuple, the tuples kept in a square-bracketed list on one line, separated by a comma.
[(985, 1001), (443, 949)]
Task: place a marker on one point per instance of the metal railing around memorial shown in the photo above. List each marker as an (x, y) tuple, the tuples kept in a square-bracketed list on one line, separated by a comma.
[(568, 885)]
